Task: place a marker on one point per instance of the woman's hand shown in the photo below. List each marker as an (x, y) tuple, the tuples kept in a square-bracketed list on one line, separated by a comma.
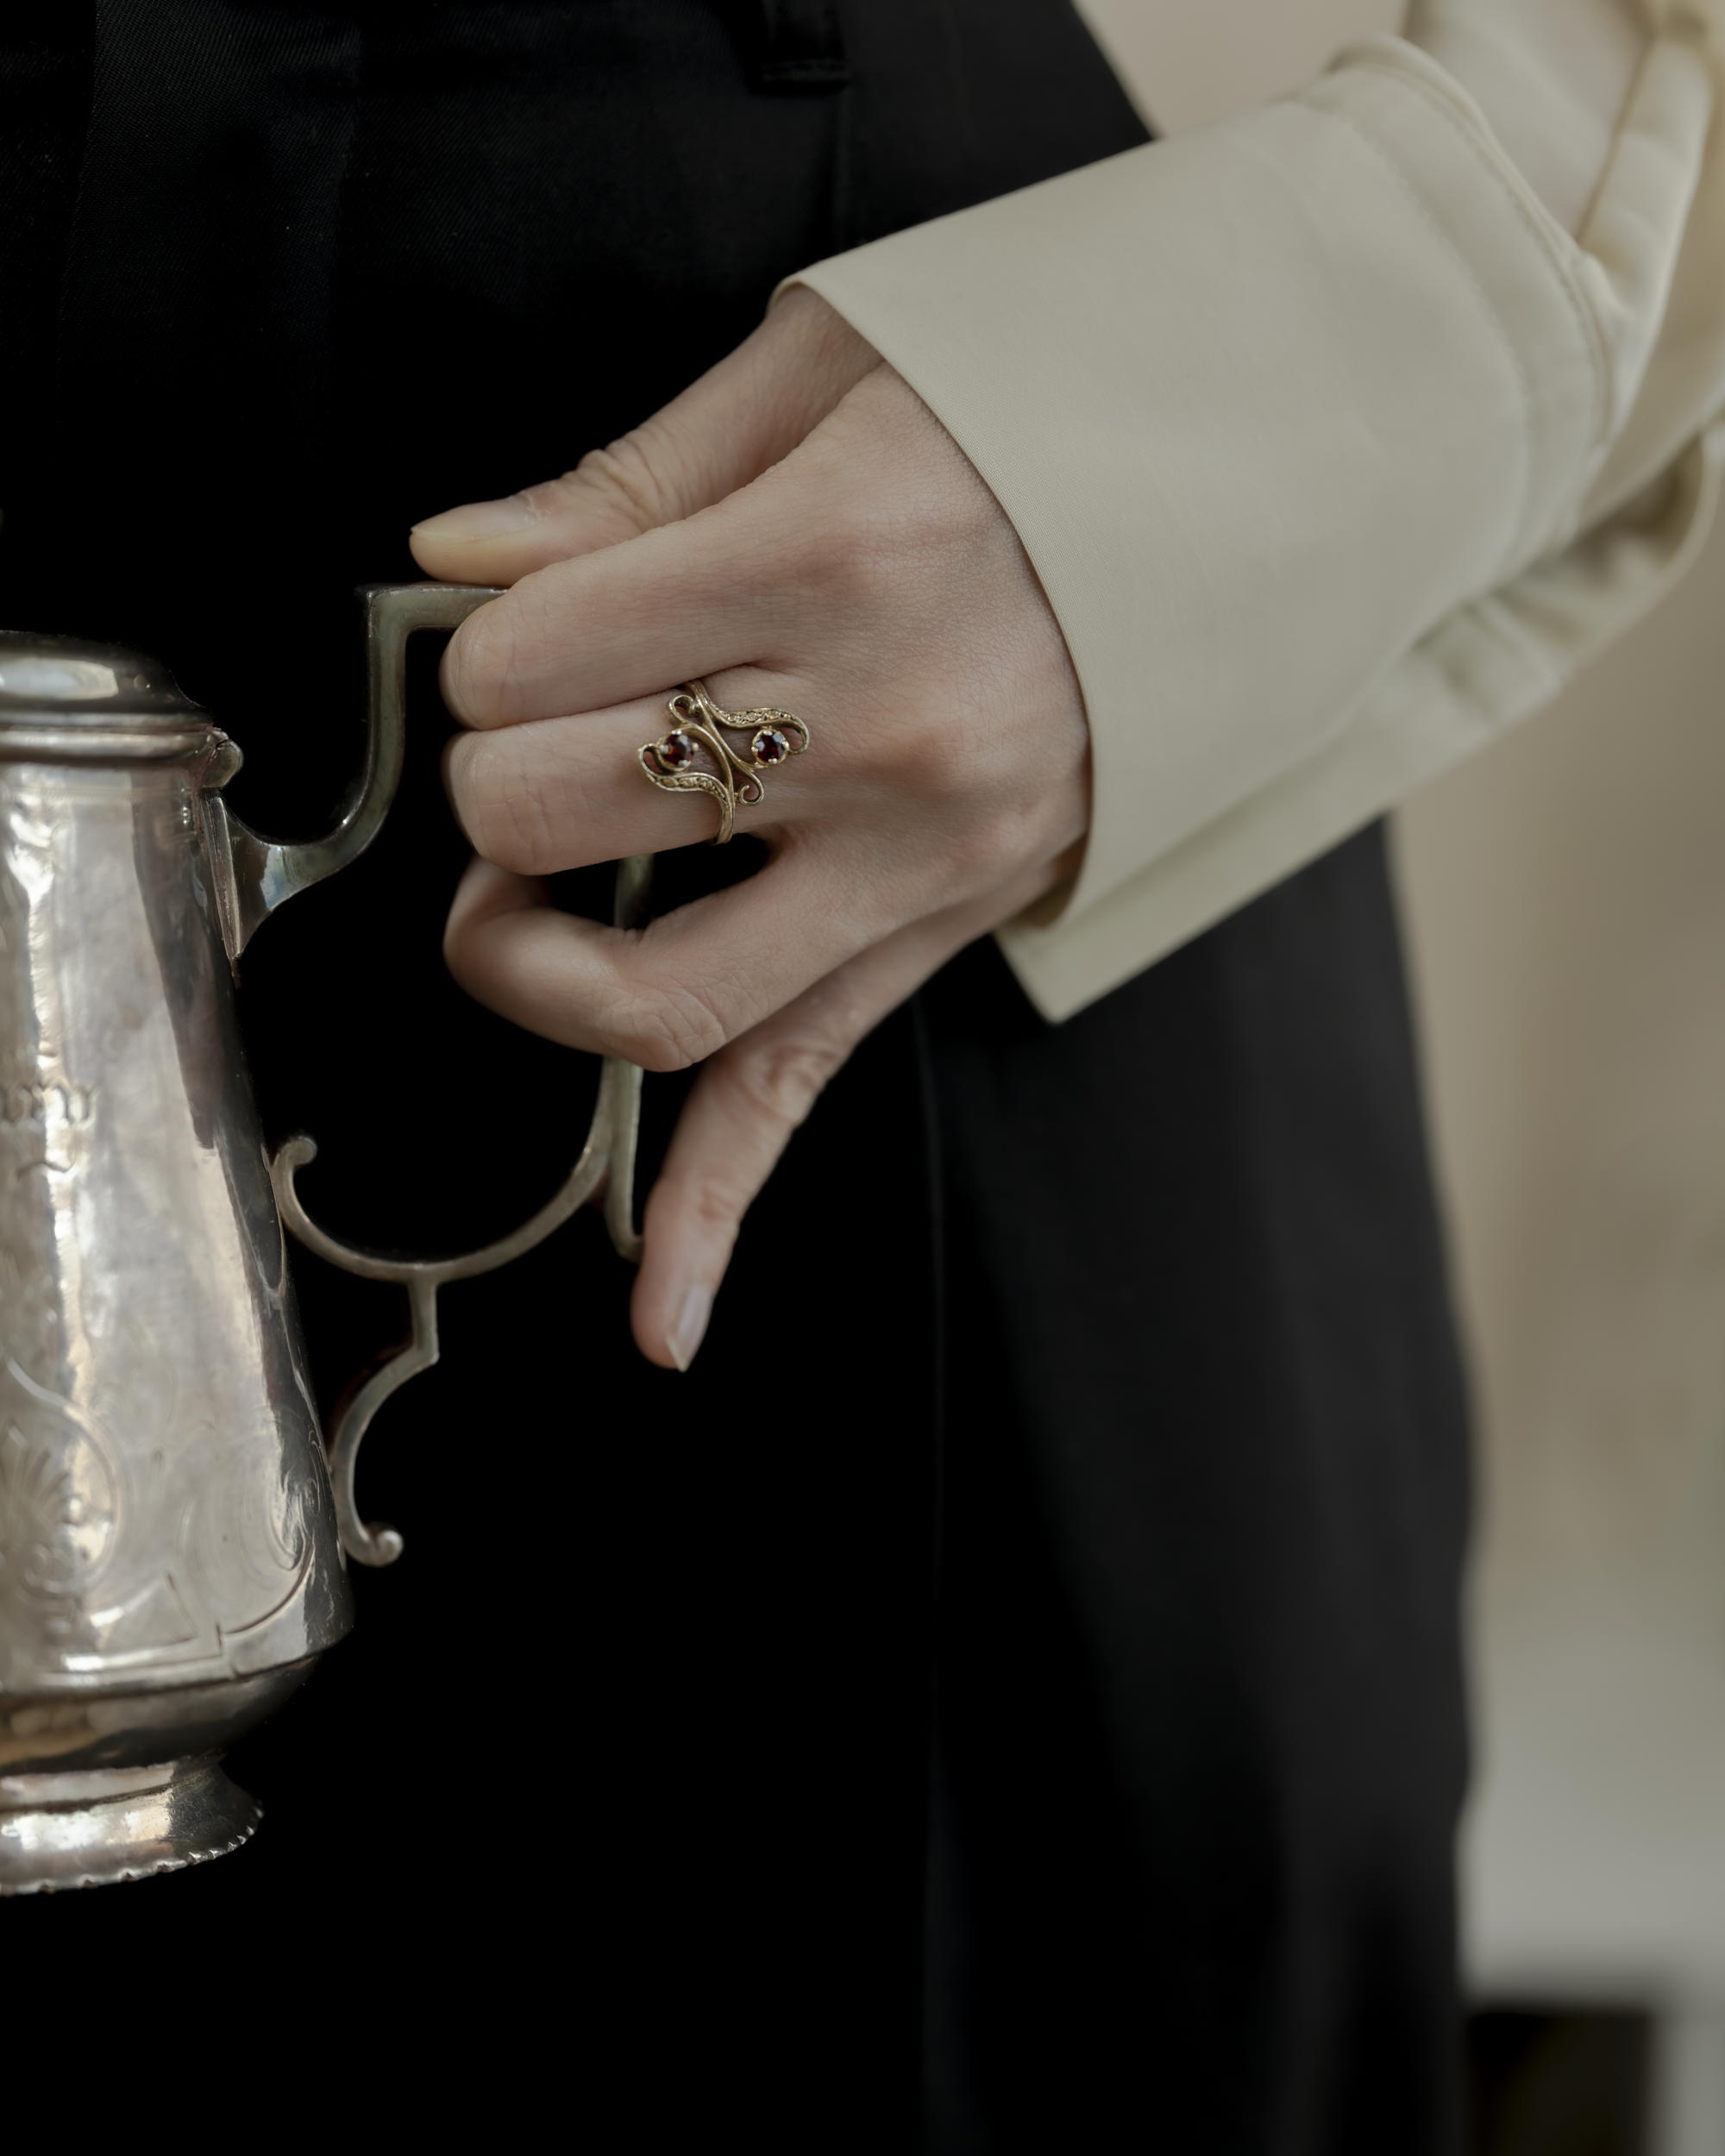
[(798, 529)]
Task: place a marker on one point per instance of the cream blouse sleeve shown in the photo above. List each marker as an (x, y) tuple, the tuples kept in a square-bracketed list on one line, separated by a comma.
[(1334, 451)]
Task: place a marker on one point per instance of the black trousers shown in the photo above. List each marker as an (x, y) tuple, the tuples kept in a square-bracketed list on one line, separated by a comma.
[(1006, 1696)]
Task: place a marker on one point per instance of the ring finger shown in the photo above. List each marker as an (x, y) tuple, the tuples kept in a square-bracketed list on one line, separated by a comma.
[(548, 795)]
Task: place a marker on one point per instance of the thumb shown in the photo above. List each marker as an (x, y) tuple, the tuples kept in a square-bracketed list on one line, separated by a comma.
[(742, 416)]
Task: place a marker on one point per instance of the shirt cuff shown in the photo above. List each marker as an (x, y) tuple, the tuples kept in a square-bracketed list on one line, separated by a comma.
[(1271, 406)]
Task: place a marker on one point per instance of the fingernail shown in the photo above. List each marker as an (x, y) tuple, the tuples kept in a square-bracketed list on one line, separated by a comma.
[(480, 520), (685, 1336)]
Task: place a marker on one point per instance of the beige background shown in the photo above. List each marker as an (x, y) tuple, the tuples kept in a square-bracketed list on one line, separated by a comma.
[(1565, 900)]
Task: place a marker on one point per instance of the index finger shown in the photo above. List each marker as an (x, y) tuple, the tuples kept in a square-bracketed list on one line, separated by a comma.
[(737, 585)]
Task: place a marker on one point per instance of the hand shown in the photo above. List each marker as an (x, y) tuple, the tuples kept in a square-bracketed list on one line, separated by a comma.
[(798, 529)]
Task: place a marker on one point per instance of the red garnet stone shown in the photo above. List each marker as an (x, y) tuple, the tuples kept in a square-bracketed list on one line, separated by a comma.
[(769, 746), (676, 752)]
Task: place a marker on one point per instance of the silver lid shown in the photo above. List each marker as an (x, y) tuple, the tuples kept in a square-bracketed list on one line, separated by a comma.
[(66, 698), (68, 681)]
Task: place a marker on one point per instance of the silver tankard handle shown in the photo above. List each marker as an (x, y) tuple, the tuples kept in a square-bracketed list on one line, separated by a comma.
[(254, 875)]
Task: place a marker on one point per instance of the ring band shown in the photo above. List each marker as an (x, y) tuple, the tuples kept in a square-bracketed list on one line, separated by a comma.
[(700, 724)]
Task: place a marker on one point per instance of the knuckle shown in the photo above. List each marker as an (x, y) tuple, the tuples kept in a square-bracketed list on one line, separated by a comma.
[(718, 1196), (627, 479), (482, 658), (850, 555), (974, 844), (668, 1029), (780, 1079), (502, 805)]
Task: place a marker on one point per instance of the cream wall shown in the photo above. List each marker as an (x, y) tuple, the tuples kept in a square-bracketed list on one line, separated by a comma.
[(1566, 907), (1565, 900), (1564, 897)]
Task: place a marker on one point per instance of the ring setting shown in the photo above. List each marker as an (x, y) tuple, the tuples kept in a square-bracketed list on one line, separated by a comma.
[(694, 756)]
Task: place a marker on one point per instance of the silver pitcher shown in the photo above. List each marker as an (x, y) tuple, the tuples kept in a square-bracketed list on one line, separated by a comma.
[(173, 1536)]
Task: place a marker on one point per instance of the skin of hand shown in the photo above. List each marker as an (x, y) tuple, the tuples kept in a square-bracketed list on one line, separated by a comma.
[(797, 530)]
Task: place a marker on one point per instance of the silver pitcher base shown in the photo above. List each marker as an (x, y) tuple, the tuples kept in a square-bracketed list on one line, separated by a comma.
[(99, 1826)]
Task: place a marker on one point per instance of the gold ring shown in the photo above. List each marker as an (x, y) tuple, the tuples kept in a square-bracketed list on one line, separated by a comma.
[(674, 764)]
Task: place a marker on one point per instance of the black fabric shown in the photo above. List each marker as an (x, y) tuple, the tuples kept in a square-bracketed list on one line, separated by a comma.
[(1205, 1493), (802, 46), (619, 1797)]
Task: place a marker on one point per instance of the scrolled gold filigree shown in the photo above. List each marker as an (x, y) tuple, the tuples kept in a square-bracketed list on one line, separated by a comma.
[(700, 724)]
